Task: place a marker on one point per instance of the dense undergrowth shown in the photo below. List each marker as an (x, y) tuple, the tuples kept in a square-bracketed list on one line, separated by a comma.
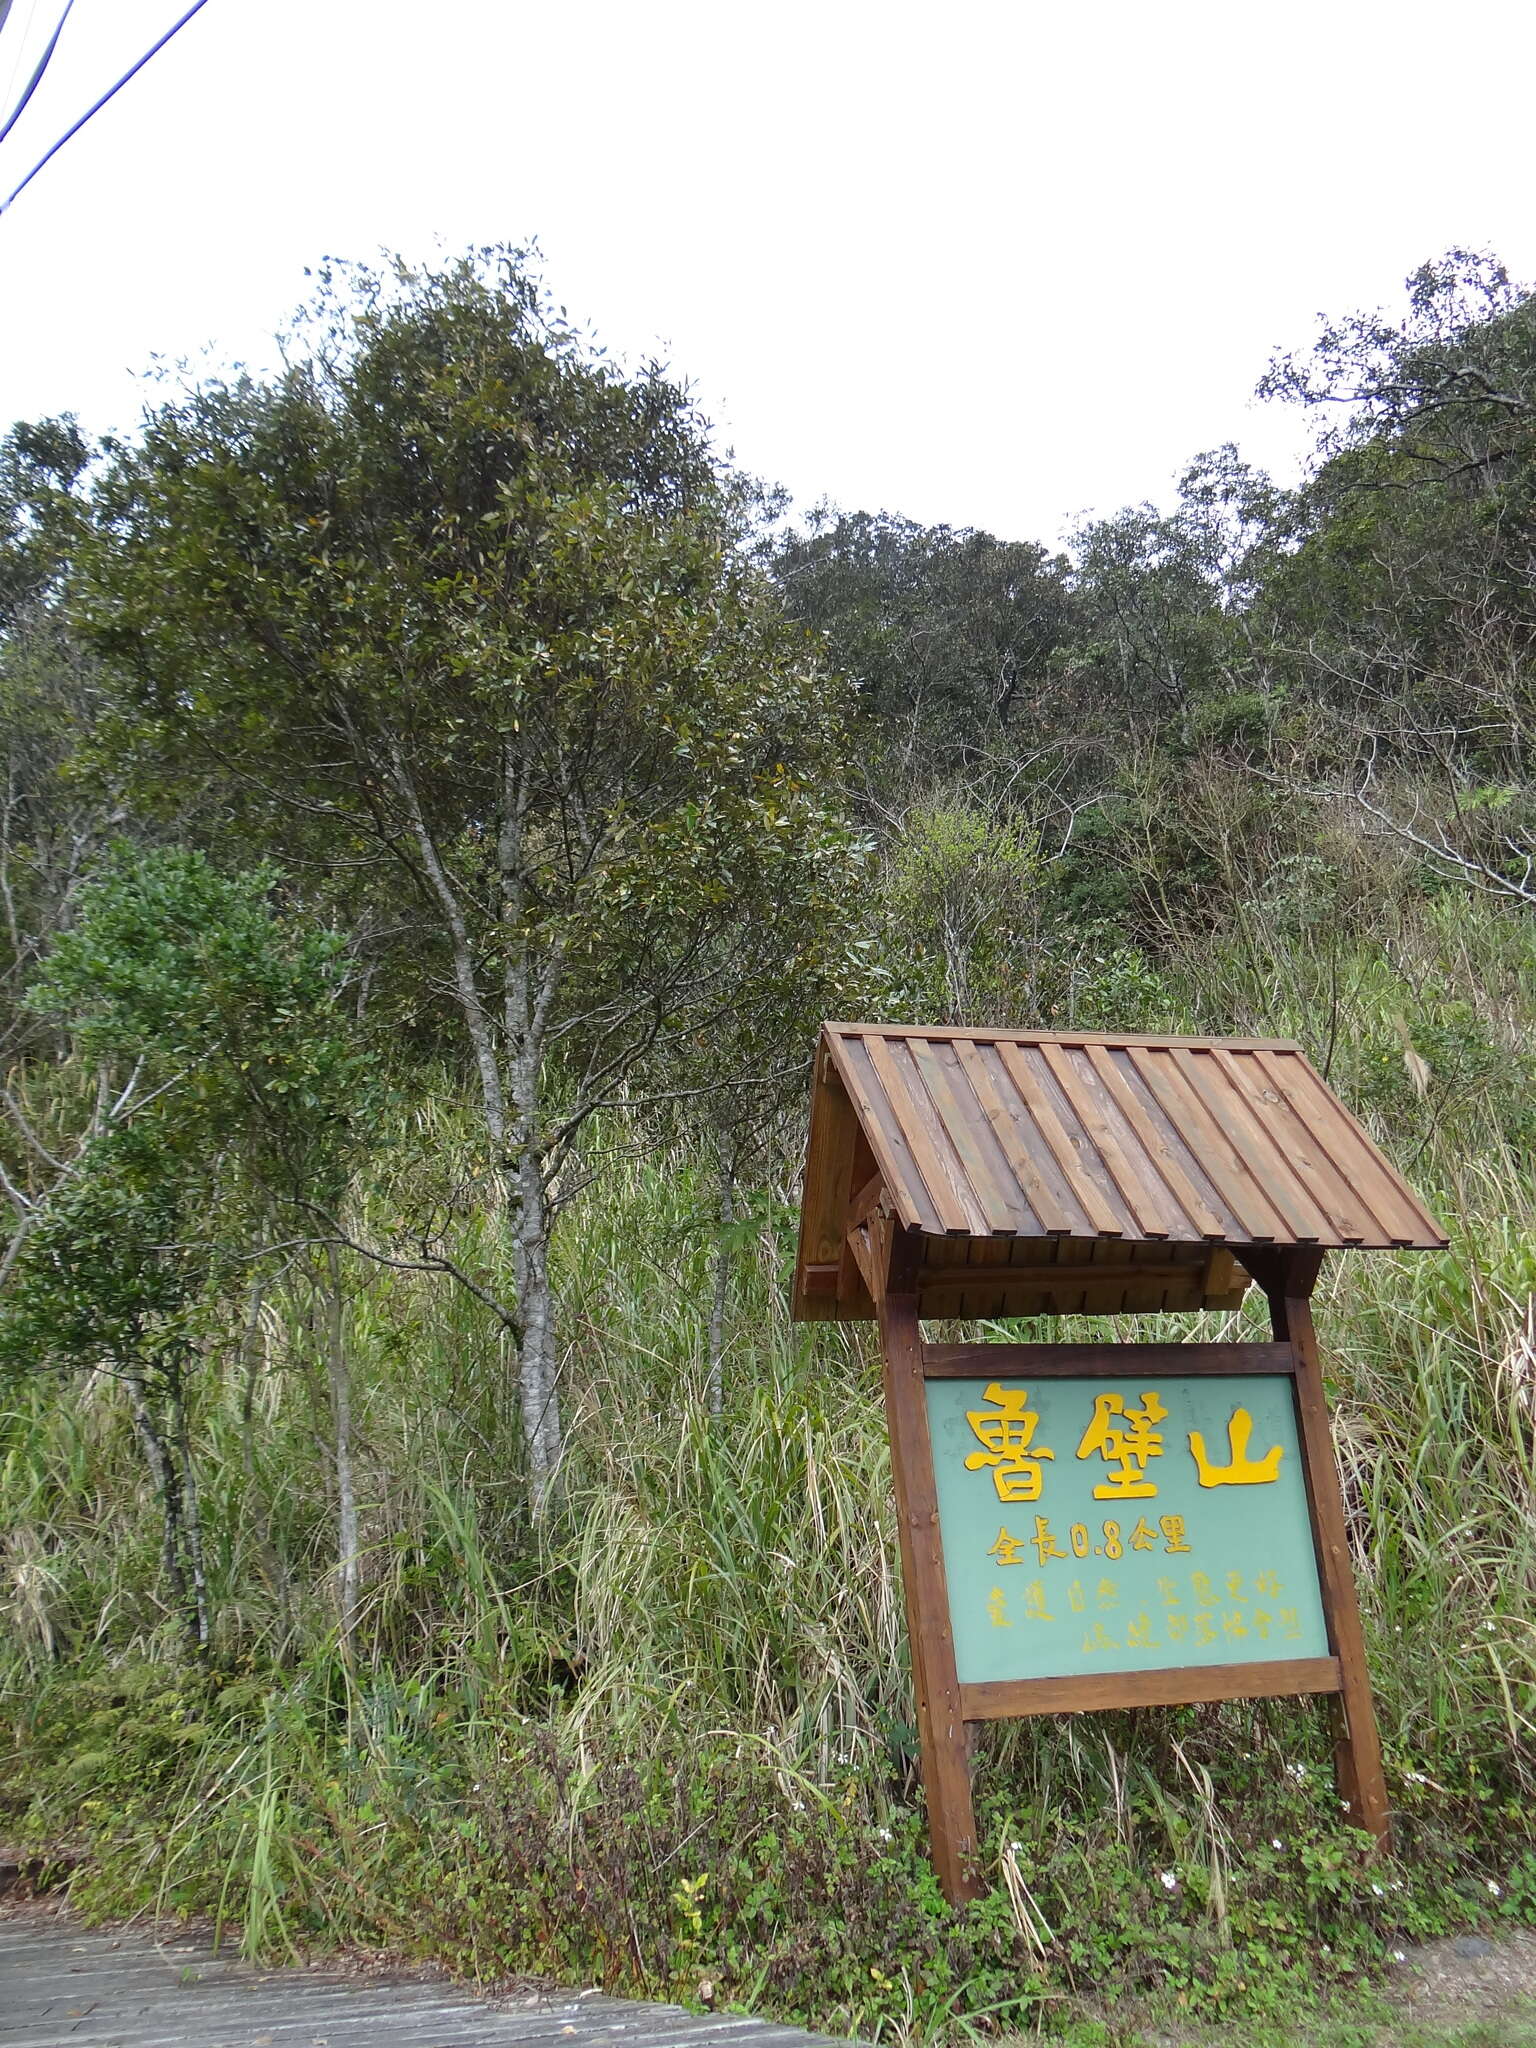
[(439, 801), (663, 1742)]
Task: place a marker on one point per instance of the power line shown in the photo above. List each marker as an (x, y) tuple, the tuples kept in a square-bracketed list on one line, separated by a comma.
[(17, 43), (38, 69), (96, 106)]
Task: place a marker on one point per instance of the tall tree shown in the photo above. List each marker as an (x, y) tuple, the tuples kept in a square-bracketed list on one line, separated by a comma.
[(239, 1097), (1405, 611), (458, 611), (51, 822), (948, 635)]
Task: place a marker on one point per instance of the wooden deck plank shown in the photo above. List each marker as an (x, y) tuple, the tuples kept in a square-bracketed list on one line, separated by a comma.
[(91, 1988)]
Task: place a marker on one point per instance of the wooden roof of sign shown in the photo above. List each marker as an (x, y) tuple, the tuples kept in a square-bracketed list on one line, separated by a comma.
[(1081, 1172)]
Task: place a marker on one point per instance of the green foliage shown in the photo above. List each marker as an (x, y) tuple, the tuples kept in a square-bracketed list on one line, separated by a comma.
[(961, 888), (227, 1003), (465, 628), (666, 1746), (113, 1272), (454, 588), (947, 636)]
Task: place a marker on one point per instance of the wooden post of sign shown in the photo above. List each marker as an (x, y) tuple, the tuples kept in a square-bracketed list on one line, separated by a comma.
[(1288, 1278), (940, 1724)]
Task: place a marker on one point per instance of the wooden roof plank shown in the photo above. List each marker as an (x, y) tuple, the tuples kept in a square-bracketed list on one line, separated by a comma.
[(1221, 1161), (1046, 1192), (1155, 1144), (903, 1177), (1151, 1214), (1042, 1112), (1304, 1220), (960, 1210), (1386, 1193), (1292, 1139), (990, 1034), (971, 1135), (1090, 1167), (1042, 1158)]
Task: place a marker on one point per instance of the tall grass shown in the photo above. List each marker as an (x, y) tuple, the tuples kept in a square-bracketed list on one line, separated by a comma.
[(666, 1739)]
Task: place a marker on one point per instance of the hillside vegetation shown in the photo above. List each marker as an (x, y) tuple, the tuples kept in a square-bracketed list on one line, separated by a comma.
[(442, 797)]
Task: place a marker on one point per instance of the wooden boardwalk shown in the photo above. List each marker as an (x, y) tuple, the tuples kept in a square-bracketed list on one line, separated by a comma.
[(67, 1986)]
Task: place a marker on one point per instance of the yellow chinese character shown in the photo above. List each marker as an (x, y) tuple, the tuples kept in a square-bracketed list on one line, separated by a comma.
[(1177, 1626), (1172, 1527), (1008, 1436), (1099, 1638), (1143, 1536), (1205, 1631), (1139, 1635), (1290, 1621), (1268, 1584), (1034, 1602), (1107, 1596), (1261, 1620), (1233, 1624), (1045, 1543), (1205, 1592), (1077, 1596), (1169, 1588), (1240, 1469), (1235, 1586), (1007, 1548), (997, 1608), (1126, 1444)]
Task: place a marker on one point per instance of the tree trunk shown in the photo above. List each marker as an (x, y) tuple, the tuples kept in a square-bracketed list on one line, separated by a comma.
[(339, 1373), (162, 1472), (253, 1354), (537, 1372)]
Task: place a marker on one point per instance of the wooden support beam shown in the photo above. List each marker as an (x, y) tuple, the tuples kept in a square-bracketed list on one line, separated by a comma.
[(1288, 1278), (828, 1169), (1006, 1698), (1117, 1361), (869, 1245), (956, 1278), (867, 1200), (940, 1714)]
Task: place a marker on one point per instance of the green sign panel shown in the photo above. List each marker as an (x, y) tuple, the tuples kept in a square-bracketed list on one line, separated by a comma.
[(1097, 1525)]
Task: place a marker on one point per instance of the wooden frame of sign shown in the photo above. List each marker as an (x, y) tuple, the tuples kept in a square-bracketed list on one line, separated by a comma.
[(946, 1708), (955, 1174)]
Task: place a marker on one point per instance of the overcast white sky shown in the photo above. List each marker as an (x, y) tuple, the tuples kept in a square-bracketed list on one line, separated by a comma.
[(980, 262)]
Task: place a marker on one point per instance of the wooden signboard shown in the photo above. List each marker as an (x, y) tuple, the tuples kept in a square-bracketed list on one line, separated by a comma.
[(1115, 1525)]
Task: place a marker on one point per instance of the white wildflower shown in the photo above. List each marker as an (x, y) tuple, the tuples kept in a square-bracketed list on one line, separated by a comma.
[(1399, 1955), (1497, 1890), (1275, 1842), (1379, 1889), (1168, 1880)]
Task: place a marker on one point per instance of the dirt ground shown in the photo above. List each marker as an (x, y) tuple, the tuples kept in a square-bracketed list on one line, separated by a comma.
[(1470, 1991), (1472, 1987)]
